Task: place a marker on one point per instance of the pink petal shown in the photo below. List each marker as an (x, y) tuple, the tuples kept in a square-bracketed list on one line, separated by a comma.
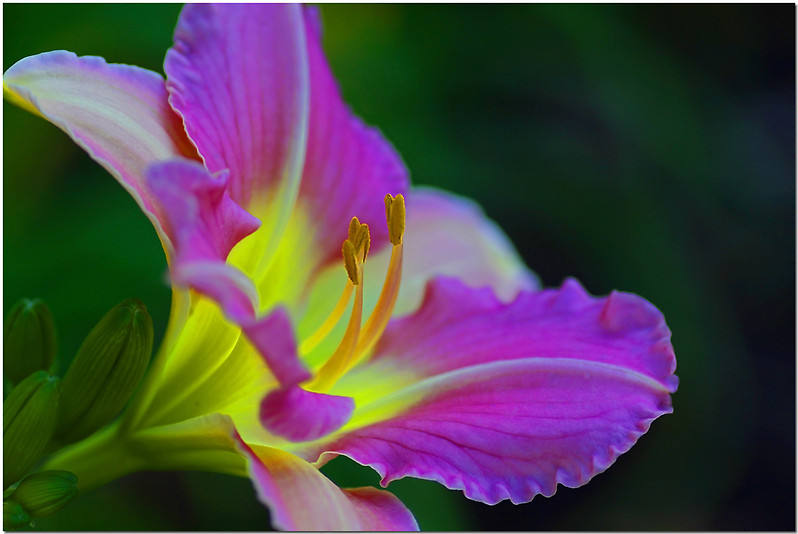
[(274, 338), (237, 74), (204, 224), (468, 327), (510, 429), (118, 113), (301, 498), (505, 401), (289, 411), (299, 415), (203, 221), (349, 166), (229, 287), (258, 98)]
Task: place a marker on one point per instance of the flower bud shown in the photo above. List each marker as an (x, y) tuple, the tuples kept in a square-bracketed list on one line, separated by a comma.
[(106, 370), (14, 516), (46, 492), (29, 419), (29, 341)]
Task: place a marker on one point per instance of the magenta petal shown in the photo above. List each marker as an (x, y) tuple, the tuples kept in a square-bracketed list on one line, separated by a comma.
[(301, 498), (203, 221), (511, 429), (299, 415), (204, 224), (257, 97), (273, 336), (468, 327), (229, 287), (505, 401), (290, 411), (349, 167), (237, 74)]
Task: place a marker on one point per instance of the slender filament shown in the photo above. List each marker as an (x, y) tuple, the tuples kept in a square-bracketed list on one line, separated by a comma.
[(342, 359), (312, 341), (378, 320)]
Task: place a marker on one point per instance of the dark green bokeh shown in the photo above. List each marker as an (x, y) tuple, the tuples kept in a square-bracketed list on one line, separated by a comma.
[(644, 148)]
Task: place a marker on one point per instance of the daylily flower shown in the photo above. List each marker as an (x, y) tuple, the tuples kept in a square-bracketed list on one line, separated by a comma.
[(441, 359)]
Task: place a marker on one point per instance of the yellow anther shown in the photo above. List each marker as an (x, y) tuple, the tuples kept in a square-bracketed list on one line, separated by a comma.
[(362, 241), (354, 250), (395, 217), (360, 238), (354, 226), (388, 202), (350, 262)]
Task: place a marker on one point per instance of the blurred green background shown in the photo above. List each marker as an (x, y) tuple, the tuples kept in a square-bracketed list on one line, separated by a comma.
[(644, 148)]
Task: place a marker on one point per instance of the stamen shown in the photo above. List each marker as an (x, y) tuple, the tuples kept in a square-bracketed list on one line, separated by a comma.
[(360, 239), (356, 343), (354, 226), (378, 320), (395, 215), (342, 359), (350, 261)]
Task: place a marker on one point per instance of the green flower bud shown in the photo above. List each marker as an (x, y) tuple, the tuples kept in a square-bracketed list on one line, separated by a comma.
[(29, 341), (14, 516), (106, 370), (29, 419), (46, 492)]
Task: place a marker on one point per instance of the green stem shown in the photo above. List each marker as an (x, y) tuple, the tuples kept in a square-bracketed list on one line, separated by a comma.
[(97, 460), (202, 444)]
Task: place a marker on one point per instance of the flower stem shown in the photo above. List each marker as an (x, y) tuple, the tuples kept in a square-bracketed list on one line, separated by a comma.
[(201, 444), (96, 460)]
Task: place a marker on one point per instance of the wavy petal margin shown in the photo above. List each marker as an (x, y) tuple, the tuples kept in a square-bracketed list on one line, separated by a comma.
[(464, 327), (119, 114), (203, 221), (301, 498), (505, 401)]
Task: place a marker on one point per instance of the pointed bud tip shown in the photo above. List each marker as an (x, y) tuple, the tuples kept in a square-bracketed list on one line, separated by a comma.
[(29, 342), (106, 370)]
